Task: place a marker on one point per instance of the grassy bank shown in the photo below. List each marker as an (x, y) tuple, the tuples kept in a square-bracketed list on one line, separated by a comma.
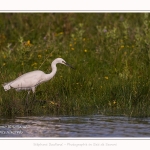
[(111, 54)]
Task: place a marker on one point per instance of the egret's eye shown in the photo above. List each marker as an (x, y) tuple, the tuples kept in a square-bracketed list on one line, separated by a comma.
[(63, 62)]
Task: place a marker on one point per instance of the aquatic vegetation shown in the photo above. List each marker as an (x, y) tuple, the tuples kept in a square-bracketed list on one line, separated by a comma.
[(109, 51)]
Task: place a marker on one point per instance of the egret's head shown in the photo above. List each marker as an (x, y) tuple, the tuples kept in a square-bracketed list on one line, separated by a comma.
[(62, 61)]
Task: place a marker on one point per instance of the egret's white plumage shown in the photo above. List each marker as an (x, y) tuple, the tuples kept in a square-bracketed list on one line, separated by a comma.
[(30, 80)]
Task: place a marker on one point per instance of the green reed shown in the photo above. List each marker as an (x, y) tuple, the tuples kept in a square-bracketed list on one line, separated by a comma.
[(110, 52)]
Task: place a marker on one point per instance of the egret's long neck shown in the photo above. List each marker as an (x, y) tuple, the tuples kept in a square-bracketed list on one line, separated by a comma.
[(54, 70)]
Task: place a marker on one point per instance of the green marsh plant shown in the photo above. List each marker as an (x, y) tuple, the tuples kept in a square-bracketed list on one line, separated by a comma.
[(111, 54)]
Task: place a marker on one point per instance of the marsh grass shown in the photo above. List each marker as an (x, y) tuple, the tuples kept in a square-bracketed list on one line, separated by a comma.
[(111, 54)]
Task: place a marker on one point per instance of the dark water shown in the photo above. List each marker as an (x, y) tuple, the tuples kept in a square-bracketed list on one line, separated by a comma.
[(81, 126)]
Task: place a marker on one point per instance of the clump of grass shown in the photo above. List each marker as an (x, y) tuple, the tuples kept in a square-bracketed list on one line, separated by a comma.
[(109, 51)]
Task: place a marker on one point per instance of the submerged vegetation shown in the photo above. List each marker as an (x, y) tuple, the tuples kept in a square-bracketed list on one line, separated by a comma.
[(110, 51)]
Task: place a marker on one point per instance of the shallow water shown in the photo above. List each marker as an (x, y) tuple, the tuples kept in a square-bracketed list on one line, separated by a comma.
[(81, 126)]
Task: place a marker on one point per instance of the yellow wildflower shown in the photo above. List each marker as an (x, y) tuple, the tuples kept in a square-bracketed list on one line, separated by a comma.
[(85, 50), (53, 103), (70, 45), (34, 64), (28, 43), (106, 78), (83, 39), (114, 102), (61, 33), (121, 47), (4, 56), (39, 56)]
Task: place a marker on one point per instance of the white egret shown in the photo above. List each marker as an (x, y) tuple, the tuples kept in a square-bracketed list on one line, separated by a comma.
[(29, 81)]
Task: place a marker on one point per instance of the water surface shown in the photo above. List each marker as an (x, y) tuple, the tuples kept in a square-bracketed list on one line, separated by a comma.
[(79, 126)]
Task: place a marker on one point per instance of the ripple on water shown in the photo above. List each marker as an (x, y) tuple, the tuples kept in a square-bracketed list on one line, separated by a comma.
[(81, 126)]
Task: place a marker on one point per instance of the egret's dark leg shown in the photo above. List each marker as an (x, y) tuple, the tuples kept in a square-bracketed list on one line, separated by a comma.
[(27, 103), (34, 95), (27, 99), (30, 103)]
